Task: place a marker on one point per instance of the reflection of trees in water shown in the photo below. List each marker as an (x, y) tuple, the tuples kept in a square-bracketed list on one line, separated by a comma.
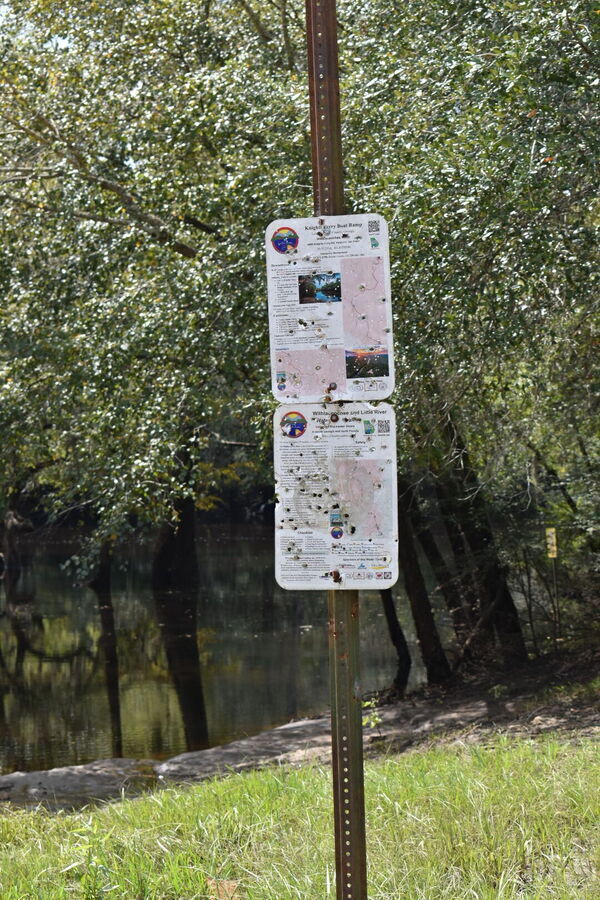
[(260, 670), (176, 613), (101, 585), (51, 668), (12, 561), (175, 585), (311, 287), (31, 659), (27, 625)]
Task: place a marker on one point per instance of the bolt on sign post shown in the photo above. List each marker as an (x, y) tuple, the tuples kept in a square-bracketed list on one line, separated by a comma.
[(330, 326)]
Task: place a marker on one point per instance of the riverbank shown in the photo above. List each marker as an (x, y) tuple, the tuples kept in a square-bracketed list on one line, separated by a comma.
[(558, 696), (508, 818)]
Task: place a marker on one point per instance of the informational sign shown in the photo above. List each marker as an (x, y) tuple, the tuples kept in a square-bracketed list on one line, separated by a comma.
[(330, 311), (336, 511), (551, 543)]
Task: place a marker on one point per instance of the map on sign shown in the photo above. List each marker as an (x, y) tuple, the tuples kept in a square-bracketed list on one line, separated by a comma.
[(336, 512), (330, 311)]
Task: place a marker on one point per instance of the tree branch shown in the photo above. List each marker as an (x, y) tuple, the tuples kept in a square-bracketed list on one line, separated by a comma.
[(260, 29), (585, 47), (289, 50), (77, 213), (201, 226), (558, 481), (153, 225)]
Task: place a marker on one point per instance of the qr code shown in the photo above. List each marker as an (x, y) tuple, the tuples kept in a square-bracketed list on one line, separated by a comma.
[(383, 427), (373, 226)]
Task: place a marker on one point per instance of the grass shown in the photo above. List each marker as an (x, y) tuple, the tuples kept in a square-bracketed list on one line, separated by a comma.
[(518, 818), (577, 691)]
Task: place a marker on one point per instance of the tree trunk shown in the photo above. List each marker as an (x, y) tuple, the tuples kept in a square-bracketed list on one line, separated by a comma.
[(174, 565), (494, 589), (398, 640), (453, 512), (430, 645), (505, 618), (447, 583), (447, 502)]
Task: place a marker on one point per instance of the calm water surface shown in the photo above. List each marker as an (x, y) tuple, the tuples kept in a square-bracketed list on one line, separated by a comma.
[(153, 677)]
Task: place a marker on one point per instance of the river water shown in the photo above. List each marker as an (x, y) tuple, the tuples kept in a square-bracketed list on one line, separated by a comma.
[(235, 656)]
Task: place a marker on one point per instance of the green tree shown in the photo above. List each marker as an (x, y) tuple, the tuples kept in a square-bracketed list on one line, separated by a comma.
[(145, 146)]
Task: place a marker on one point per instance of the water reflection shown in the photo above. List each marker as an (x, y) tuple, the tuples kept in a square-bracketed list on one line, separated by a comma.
[(176, 614), (148, 669), (107, 645), (175, 578)]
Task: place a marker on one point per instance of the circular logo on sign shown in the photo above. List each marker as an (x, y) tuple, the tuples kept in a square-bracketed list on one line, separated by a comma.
[(293, 424), (285, 239), (337, 533)]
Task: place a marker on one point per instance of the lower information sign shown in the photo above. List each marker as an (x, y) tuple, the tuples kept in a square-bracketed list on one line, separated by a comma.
[(336, 512)]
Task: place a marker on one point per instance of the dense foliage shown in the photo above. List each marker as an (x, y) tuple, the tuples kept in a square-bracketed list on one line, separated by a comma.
[(144, 146)]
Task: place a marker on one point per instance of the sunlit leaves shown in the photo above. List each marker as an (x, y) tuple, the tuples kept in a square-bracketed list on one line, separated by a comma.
[(133, 130)]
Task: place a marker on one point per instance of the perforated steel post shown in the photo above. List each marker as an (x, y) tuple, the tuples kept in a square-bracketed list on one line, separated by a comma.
[(325, 124), (346, 711), (346, 740)]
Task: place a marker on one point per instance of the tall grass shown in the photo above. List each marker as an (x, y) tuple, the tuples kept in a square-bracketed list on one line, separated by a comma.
[(512, 819)]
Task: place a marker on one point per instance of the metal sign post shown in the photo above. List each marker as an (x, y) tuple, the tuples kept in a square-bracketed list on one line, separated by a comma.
[(346, 744), (324, 90), (346, 712)]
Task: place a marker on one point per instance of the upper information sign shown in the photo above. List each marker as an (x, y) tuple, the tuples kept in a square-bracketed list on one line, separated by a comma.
[(330, 310)]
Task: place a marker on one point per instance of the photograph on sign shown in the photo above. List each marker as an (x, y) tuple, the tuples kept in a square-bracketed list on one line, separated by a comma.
[(336, 511), (330, 311)]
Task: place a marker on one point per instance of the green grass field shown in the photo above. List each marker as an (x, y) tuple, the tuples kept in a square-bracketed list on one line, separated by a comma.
[(513, 818)]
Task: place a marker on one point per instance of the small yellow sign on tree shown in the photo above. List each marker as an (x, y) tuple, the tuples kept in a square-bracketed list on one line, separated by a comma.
[(551, 543)]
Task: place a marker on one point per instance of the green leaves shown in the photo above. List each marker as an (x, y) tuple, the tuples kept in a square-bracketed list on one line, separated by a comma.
[(143, 148)]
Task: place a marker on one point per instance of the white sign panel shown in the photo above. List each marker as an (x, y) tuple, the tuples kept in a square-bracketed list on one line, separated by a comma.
[(336, 511), (330, 310)]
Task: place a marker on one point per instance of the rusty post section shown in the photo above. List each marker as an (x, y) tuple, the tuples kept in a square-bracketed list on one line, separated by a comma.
[(346, 706), (325, 126), (346, 740)]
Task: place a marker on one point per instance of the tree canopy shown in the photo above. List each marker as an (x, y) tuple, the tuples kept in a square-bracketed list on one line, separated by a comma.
[(145, 145)]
